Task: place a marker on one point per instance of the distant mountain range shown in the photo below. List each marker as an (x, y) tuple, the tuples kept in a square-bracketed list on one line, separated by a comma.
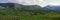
[(30, 7), (52, 7), (20, 6), (7, 5)]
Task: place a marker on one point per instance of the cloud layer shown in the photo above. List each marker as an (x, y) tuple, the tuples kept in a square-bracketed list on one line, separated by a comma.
[(32, 2), (41, 3), (26, 2)]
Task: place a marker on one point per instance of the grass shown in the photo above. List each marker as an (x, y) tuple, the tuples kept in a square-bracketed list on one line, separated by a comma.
[(12, 14)]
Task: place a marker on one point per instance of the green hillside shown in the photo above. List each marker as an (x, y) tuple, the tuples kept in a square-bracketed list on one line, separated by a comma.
[(30, 12), (22, 14)]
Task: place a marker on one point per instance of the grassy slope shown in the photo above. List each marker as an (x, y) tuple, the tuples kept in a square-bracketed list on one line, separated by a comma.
[(12, 14)]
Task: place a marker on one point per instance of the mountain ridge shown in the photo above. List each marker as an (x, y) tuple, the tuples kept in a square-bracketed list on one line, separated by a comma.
[(52, 7)]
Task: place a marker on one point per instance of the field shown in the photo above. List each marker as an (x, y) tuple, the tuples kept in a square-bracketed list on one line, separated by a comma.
[(12, 14)]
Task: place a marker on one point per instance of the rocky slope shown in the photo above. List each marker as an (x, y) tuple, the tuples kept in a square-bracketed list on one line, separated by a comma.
[(27, 7)]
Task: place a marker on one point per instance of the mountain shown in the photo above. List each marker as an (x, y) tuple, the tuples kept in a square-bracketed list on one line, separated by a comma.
[(16, 5), (31, 7), (52, 7), (27, 7), (7, 5)]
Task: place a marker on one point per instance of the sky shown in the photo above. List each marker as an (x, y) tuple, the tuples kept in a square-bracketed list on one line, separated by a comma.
[(3, 1), (54, 2), (41, 3)]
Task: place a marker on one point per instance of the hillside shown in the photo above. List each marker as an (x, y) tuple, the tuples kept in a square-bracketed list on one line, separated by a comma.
[(12, 14), (28, 12)]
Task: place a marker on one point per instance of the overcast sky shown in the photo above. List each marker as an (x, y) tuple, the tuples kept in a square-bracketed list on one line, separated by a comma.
[(55, 2), (33, 2), (25, 2)]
